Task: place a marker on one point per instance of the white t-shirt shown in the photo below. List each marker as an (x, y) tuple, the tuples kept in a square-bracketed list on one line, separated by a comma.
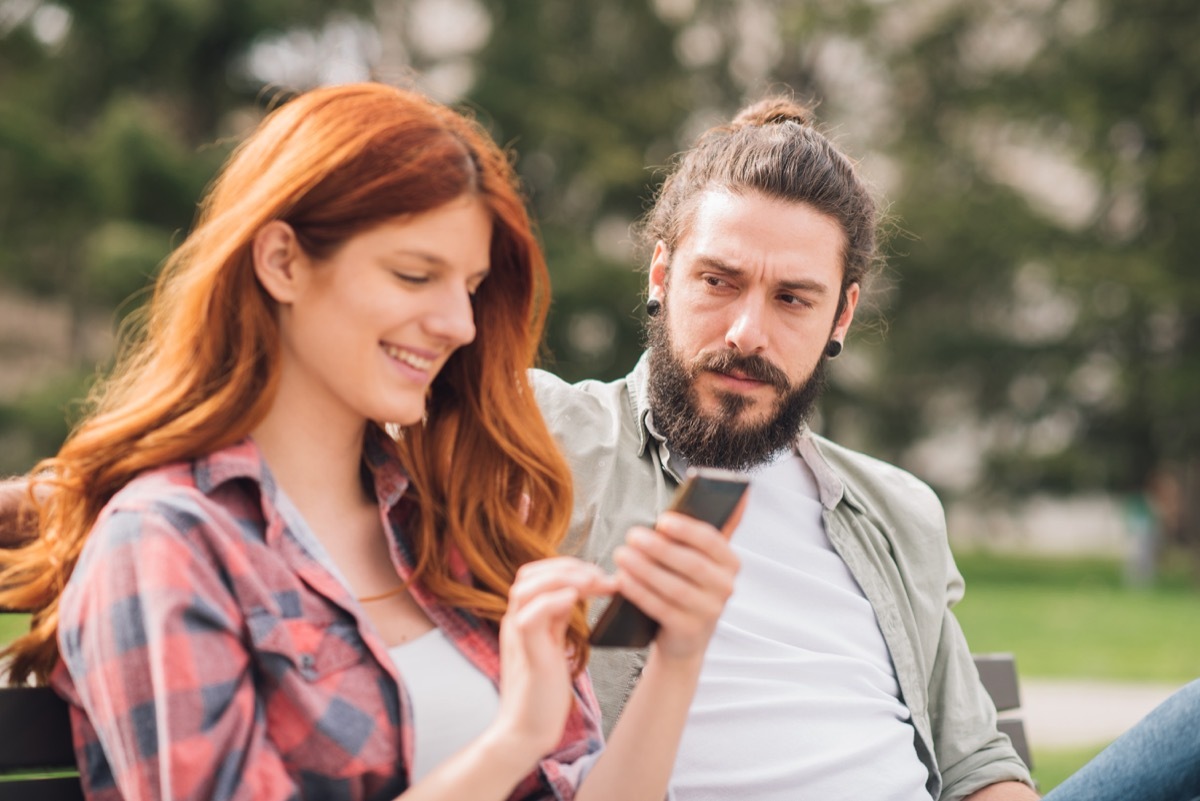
[(798, 698), (452, 702)]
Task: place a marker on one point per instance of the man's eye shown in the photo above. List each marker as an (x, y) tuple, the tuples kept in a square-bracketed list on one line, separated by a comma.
[(793, 300)]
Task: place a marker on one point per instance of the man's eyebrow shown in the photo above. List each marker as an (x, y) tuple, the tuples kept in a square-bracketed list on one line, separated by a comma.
[(805, 285), (716, 265)]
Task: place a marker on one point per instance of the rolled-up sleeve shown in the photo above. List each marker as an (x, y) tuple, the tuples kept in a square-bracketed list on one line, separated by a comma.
[(560, 773), (971, 753)]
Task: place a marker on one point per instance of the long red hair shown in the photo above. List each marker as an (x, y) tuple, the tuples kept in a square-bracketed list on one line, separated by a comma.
[(200, 368)]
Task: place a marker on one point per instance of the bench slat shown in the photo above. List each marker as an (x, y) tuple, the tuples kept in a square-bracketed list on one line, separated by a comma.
[(998, 673), (36, 731), (61, 788)]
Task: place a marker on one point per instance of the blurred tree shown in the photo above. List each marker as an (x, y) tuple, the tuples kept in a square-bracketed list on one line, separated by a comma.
[(589, 94), (1046, 301), (1038, 157), (111, 118)]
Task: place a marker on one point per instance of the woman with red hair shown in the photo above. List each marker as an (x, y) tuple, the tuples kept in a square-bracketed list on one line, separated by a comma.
[(302, 545)]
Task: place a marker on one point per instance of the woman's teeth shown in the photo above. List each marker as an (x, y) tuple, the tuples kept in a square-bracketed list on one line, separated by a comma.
[(411, 359)]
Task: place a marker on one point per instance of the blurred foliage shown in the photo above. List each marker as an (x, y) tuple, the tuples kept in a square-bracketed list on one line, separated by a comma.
[(108, 117), (1036, 327), (113, 117), (35, 425), (1047, 296)]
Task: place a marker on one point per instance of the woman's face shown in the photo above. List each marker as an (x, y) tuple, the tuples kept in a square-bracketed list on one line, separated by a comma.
[(367, 329)]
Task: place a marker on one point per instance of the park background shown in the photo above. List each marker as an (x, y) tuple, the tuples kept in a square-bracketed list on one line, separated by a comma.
[(1029, 349)]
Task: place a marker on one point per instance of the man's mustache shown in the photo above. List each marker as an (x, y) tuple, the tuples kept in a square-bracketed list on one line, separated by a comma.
[(753, 367)]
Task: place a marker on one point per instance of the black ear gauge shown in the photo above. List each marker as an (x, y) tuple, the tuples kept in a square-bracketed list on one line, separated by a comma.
[(833, 349), (653, 307)]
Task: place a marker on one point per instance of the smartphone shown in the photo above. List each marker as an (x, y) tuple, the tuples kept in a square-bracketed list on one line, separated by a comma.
[(707, 494)]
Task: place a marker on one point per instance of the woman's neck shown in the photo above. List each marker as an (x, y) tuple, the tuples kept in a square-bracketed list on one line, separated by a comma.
[(315, 457)]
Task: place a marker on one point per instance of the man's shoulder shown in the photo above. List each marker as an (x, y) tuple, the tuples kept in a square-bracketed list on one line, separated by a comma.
[(861, 464), (879, 484), (563, 401)]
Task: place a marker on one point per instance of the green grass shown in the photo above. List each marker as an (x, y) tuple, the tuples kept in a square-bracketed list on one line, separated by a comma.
[(12, 626), (1052, 767), (23, 775), (1075, 619)]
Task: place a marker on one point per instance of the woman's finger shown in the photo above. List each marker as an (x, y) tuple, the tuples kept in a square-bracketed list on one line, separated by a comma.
[(547, 575)]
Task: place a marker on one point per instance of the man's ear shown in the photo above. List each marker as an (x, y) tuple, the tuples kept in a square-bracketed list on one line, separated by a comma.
[(277, 253), (849, 303), (658, 272)]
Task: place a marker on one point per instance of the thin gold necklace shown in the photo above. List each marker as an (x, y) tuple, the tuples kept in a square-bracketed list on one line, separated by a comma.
[(381, 596)]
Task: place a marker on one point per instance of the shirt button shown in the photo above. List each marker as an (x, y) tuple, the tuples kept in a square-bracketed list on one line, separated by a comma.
[(308, 665)]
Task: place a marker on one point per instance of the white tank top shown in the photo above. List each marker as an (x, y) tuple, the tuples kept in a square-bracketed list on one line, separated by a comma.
[(452, 702), (797, 698)]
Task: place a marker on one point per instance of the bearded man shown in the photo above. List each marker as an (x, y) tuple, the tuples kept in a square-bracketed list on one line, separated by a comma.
[(838, 670), (838, 649)]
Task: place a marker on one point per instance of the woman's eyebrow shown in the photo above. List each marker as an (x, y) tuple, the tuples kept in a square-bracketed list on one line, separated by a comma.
[(437, 261)]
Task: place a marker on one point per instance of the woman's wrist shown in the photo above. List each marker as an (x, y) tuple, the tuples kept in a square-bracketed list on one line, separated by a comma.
[(489, 768), (509, 751)]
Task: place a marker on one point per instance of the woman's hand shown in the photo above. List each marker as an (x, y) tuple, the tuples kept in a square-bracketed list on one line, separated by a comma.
[(680, 573), (535, 671)]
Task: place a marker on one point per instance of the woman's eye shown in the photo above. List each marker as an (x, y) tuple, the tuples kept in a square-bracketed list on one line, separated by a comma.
[(409, 278)]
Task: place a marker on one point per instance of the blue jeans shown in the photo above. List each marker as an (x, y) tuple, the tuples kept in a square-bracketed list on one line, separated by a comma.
[(1156, 760)]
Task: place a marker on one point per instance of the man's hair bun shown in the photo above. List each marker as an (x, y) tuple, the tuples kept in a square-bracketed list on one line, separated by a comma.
[(773, 111)]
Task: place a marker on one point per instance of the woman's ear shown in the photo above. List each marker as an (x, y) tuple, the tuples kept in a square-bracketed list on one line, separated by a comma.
[(277, 253)]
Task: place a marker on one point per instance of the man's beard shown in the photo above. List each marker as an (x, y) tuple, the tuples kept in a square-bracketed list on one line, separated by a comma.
[(718, 439)]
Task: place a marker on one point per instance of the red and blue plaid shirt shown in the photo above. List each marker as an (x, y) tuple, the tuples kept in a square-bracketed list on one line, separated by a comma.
[(207, 655)]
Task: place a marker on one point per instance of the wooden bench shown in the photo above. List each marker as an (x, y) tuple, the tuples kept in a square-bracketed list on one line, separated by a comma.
[(37, 757), (998, 672)]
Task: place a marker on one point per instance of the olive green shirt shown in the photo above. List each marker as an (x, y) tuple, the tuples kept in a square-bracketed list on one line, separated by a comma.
[(888, 527)]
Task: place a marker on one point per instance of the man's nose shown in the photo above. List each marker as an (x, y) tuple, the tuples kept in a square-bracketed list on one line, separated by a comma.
[(747, 332)]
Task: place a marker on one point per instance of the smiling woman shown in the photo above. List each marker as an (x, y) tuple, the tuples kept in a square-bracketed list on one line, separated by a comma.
[(266, 595), (366, 330)]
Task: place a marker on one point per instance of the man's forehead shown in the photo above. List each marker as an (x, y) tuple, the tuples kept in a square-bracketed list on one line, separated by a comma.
[(751, 230)]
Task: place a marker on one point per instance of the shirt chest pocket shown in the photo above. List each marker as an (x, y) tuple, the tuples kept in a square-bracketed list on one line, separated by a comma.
[(313, 649), (322, 696)]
